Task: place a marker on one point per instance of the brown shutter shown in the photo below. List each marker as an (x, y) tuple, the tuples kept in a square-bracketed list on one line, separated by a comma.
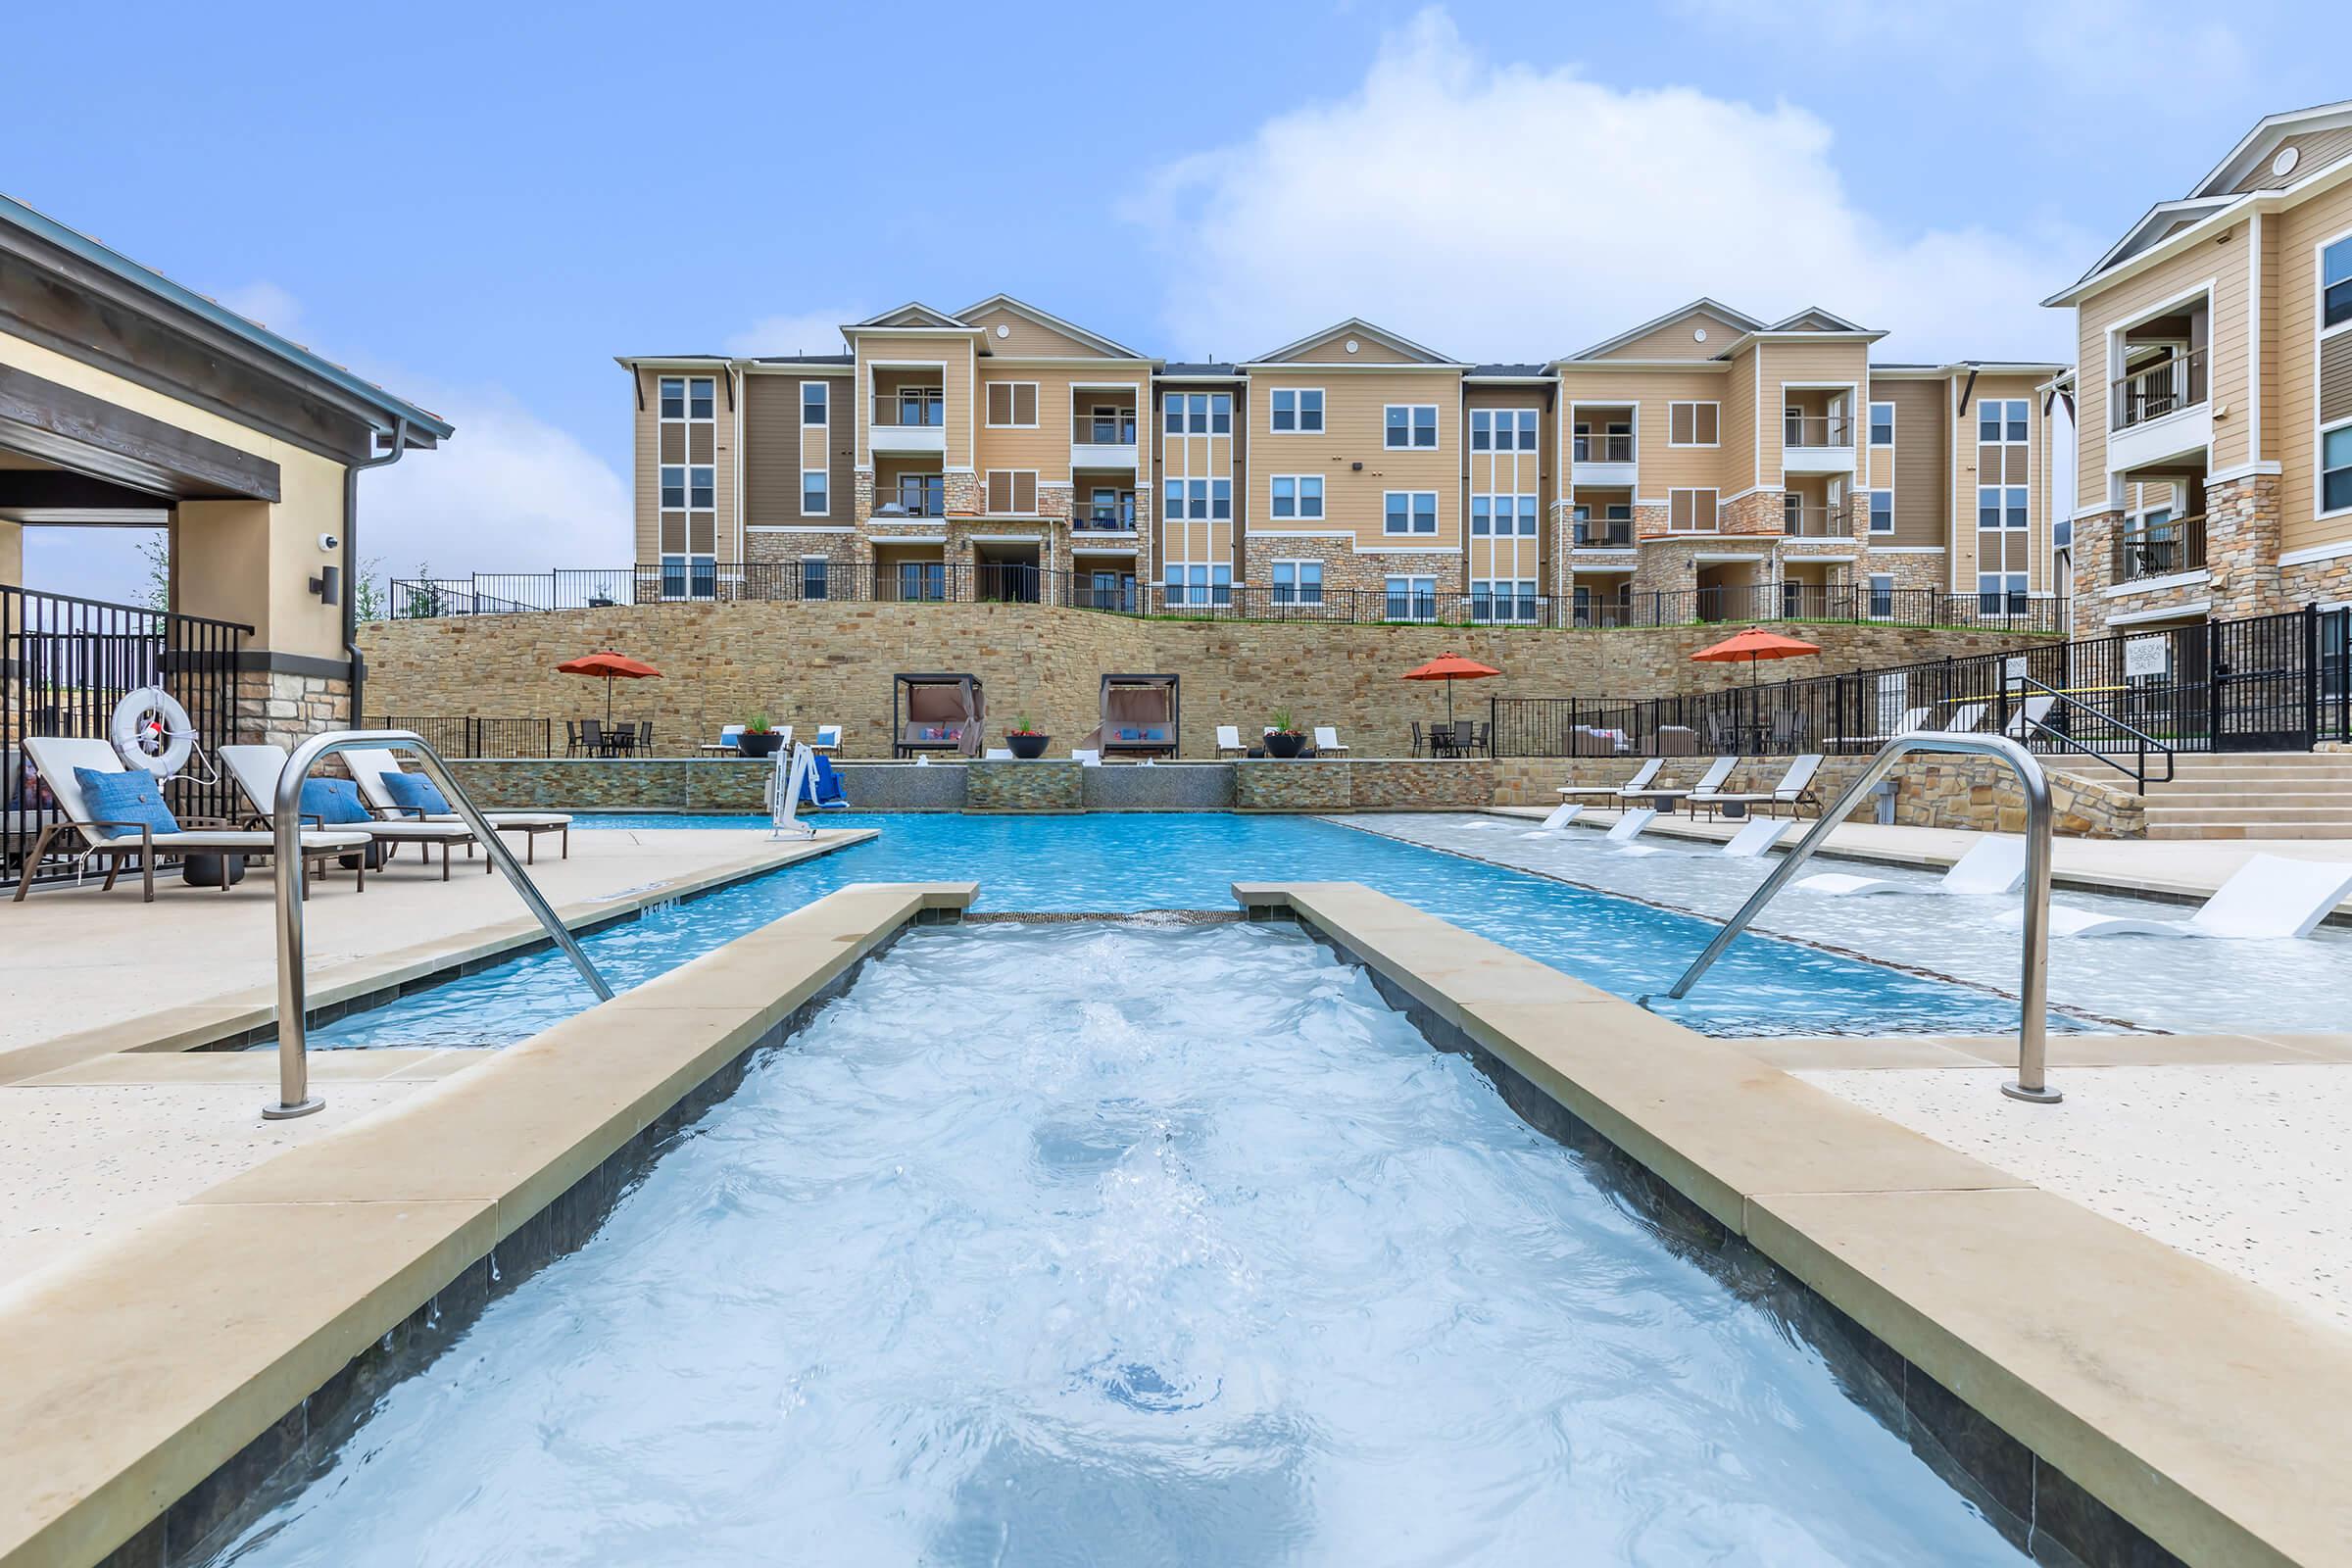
[(1024, 403), (1702, 511), (673, 533), (699, 440), (1000, 402), (1708, 420), (1024, 491), (2335, 378), (673, 443), (1681, 426), (1678, 509), (702, 533), (999, 488)]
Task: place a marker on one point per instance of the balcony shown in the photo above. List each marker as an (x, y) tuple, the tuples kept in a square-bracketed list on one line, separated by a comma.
[(1103, 439), (1601, 450), (912, 496), (1612, 533), (1816, 443), (2149, 550), (1814, 519), (909, 420), (1100, 517)]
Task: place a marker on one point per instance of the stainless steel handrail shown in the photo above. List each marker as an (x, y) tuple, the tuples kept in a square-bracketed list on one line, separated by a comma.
[(2033, 991), (294, 1097)]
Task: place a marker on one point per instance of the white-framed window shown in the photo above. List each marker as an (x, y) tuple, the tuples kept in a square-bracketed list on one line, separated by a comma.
[(1503, 429), (1881, 424), (686, 522), (1012, 405), (1295, 496), (1294, 410), (1012, 492), (1411, 511), (2000, 593), (1503, 517), (1613, 442), (1482, 517), (1220, 499), (1409, 425), (2335, 284), (1882, 594), (1525, 429), (1691, 510), (1297, 582), (1200, 584), (689, 397), (813, 493), (1881, 512), (2001, 420), (1503, 599), (686, 575), (1220, 413), (816, 577), (2336, 468), (923, 495), (1411, 597), (1694, 425), (1481, 430), (1171, 501), (1108, 507), (2001, 505), (1191, 413), (815, 401)]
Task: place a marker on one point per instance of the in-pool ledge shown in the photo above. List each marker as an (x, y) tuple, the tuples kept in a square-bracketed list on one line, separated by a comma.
[(2207, 1414), (151, 1383)]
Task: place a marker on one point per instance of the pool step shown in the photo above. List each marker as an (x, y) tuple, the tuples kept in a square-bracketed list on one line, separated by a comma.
[(2244, 795)]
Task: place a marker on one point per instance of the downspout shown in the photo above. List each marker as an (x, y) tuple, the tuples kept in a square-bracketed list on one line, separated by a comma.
[(351, 564)]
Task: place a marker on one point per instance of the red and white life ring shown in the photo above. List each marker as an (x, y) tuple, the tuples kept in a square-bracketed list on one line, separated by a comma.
[(151, 730)]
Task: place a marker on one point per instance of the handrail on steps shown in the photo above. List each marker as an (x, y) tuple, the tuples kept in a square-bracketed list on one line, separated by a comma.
[(294, 1097), (2034, 989), (2143, 740)]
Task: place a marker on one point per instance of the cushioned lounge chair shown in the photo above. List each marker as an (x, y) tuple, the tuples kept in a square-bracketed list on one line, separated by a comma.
[(1794, 791), (258, 769), (57, 756), (370, 764), (1229, 741), (1709, 783), (1327, 741), (1997, 865), (2270, 897), (1615, 792)]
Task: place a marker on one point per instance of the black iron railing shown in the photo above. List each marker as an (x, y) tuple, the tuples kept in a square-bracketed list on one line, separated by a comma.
[(66, 662), (476, 735), (2145, 550)]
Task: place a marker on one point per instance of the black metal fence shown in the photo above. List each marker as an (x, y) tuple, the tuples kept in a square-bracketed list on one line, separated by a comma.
[(66, 662), (1120, 593), (471, 735), (2269, 683)]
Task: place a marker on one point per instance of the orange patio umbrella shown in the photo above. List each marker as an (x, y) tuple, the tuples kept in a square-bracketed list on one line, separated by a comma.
[(1751, 645), (1449, 668), (609, 668)]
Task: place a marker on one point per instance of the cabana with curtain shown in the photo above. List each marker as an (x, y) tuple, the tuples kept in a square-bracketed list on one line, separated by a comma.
[(1138, 717), (935, 714)]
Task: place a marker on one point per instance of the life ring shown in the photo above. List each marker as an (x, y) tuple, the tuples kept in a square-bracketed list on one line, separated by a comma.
[(151, 730)]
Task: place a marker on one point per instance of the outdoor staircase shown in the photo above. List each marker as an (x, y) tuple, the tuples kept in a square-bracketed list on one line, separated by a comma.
[(2243, 795)]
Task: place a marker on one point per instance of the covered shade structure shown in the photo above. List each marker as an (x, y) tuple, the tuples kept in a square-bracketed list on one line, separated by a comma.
[(1138, 717), (609, 668), (937, 712)]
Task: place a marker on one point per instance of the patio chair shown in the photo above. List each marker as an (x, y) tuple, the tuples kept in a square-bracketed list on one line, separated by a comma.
[(1965, 718), (1997, 865), (592, 737), (1327, 739), (1229, 741), (997, 753), (2031, 714), (645, 737), (2269, 898), (1677, 740), (1794, 791), (258, 769), (1419, 740), (828, 739), (373, 767), (1629, 826), (1087, 759), (1555, 822), (61, 762), (572, 737), (1709, 783), (1758, 836), (1617, 792)]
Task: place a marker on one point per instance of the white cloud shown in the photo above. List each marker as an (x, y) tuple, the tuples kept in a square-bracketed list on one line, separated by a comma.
[(805, 333), (1505, 212), (269, 304), (508, 492)]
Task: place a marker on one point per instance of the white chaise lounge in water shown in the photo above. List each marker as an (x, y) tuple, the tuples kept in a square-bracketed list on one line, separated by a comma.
[(1554, 825), (1630, 825), (2270, 897), (1616, 792), (1997, 865), (1758, 836)]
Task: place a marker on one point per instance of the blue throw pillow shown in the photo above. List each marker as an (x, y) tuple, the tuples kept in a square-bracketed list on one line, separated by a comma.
[(333, 801), (133, 796), (415, 790)]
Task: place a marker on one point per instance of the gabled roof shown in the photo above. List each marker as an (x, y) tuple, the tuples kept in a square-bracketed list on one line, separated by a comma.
[(2154, 225), (1053, 323), (1356, 325), (2257, 144), (915, 312), (1813, 319), (1703, 305)]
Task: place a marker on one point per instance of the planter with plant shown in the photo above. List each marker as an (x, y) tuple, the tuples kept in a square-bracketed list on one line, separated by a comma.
[(759, 737), (1028, 743), (1285, 740)]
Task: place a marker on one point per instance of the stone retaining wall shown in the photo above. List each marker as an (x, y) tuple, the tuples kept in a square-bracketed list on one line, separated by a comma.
[(1039, 786), (1930, 791), (1402, 785)]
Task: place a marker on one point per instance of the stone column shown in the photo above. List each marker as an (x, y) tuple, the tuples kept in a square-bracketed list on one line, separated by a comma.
[(2241, 546)]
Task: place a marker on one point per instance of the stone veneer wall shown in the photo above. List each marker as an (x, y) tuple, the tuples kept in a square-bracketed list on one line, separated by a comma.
[(1403, 785), (1930, 791), (272, 708), (1039, 786), (806, 664)]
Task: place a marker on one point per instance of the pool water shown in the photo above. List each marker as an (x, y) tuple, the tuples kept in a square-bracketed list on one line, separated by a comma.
[(1160, 1246), (1126, 863)]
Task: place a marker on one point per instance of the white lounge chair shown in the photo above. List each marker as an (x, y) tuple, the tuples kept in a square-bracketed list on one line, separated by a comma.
[(56, 758), (1965, 718), (2029, 717), (1617, 792), (1794, 791), (2270, 897), (369, 764), (1229, 741), (258, 769), (1995, 865), (1710, 782), (828, 738), (1327, 739), (1629, 826), (996, 754), (1555, 823), (1758, 836), (1087, 759)]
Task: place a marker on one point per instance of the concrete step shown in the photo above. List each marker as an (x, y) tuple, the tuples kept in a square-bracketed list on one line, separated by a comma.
[(2286, 817), (2178, 800), (2195, 829)]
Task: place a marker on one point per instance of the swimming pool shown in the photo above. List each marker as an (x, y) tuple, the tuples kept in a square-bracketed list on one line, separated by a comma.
[(1123, 862), (1169, 1245)]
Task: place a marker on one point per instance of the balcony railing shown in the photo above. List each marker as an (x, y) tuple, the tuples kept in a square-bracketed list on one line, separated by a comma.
[(925, 410), (1604, 448), (1103, 429), (913, 499), (1612, 533), (2158, 549), (2167, 387), (1810, 521), (1812, 431), (1091, 518)]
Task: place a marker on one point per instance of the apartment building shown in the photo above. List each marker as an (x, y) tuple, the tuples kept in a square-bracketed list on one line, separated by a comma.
[(2214, 384), (1704, 458)]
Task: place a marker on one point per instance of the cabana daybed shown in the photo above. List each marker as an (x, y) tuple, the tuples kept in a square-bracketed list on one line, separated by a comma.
[(1138, 717), (935, 714)]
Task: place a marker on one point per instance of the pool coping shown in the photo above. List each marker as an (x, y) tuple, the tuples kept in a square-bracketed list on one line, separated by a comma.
[(237, 1017), (2204, 1414), (156, 1382)]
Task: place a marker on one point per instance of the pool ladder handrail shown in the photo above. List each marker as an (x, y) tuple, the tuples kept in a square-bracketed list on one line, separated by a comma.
[(2034, 990), (294, 1097)]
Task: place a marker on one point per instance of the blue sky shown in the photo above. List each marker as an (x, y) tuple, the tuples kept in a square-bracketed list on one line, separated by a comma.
[(480, 206)]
